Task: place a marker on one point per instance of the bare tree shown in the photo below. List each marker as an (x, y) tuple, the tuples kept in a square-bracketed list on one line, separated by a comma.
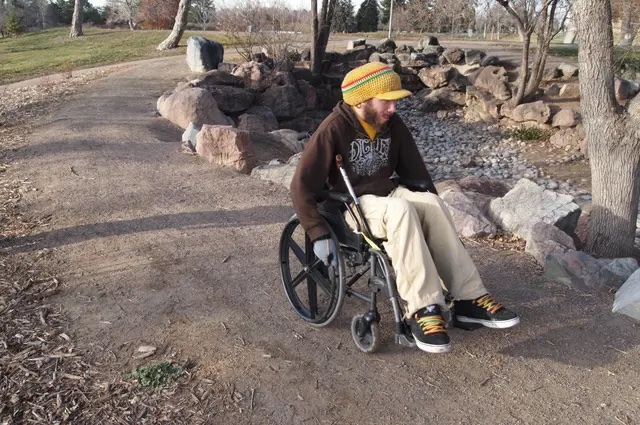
[(613, 135), (275, 30), (243, 25), (203, 12), (529, 18), (627, 11), (321, 27), (76, 21), (125, 10), (178, 27)]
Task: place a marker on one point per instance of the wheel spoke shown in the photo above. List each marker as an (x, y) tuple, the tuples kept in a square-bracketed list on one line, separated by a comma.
[(300, 255)]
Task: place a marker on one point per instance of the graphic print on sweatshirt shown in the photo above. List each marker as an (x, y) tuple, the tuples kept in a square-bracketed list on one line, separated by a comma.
[(367, 156)]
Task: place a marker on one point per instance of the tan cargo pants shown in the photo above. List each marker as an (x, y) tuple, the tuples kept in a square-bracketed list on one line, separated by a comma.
[(423, 245)]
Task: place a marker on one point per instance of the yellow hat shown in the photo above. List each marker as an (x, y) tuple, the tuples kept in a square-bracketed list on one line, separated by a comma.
[(373, 80)]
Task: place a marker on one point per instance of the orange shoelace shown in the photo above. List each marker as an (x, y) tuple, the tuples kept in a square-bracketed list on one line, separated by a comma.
[(488, 303), (431, 324)]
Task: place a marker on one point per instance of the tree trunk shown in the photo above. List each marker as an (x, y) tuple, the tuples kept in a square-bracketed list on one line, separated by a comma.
[(316, 54), (320, 33), (613, 135), (627, 32), (524, 71), (572, 31), (178, 27), (76, 22)]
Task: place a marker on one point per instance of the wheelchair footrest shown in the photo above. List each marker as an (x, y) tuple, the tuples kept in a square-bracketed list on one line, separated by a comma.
[(405, 341)]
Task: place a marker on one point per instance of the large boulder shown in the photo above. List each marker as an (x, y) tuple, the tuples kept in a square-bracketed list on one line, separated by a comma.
[(257, 123), (568, 70), (564, 118), (435, 77), (494, 79), (535, 111), (481, 106), (285, 101), (566, 137), (232, 100), (527, 204), (293, 140), (545, 239), (309, 94), (352, 44), (627, 300), (453, 55), (469, 220), (474, 57), (429, 40), (386, 46), (194, 105), (570, 90), (277, 172), (226, 146), (582, 272), (444, 98), (625, 89), (216, 77), (203, 55), (253, 74)]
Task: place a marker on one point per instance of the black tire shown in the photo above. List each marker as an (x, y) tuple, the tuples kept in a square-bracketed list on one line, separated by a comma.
[(365, 336), (302, 274)]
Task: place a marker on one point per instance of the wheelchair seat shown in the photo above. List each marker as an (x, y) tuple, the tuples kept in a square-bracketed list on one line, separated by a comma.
[(334, 214)]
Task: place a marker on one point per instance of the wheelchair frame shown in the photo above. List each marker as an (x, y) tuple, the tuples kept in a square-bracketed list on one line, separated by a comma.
[(363, 252)]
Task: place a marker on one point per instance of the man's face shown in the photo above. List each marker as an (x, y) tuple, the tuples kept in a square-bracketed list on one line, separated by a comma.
[(377, 112)]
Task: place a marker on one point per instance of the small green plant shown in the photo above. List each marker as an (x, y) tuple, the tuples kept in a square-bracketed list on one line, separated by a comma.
[(155, 375), (526, 133), (14, 28)]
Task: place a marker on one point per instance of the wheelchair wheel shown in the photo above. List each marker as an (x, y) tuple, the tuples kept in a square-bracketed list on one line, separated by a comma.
[(316, 292), (365, 334)]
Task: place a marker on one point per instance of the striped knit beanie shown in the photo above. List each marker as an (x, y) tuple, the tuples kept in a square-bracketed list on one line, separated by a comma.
[(374, 79)]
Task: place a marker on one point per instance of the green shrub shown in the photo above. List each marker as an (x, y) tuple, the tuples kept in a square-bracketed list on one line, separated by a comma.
[(526, 133), (13, 25), (155, 375)]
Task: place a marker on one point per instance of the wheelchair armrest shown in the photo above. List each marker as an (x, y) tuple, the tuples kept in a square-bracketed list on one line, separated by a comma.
[(336, 196), (418, 185)]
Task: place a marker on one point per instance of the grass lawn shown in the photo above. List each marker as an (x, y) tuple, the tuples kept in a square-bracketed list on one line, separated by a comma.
[(45, 52)]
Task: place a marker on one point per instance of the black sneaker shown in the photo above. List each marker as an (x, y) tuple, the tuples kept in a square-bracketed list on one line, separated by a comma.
[(428, 329), (485, 311)]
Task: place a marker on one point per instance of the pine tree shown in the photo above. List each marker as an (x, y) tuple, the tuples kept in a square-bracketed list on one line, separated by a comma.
[(385, 9), (343, 19), (367, 16), (13, 24)]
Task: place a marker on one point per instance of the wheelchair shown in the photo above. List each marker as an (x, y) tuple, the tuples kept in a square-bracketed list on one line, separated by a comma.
[(316, 291)]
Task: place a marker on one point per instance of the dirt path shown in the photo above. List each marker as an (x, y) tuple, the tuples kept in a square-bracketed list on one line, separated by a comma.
[(158, 247)]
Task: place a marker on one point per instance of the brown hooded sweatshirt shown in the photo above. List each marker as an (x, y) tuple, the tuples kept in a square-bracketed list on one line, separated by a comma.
[(369, 163)]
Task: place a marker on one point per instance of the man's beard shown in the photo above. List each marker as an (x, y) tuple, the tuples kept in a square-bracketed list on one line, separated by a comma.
[(370, 116)]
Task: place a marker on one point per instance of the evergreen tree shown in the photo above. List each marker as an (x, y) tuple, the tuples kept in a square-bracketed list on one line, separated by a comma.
[(343, 19), (367, 16), (14, 28), (385, 9)]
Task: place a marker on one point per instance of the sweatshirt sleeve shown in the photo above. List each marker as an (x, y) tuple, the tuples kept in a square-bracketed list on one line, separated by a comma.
[(309, 179), (410, 163)]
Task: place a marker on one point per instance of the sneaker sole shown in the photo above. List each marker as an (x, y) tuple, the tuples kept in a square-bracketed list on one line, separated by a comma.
[(494, 324), (434, 349)]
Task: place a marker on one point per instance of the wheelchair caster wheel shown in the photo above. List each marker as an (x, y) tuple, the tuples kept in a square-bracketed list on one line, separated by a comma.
[(365, 333)]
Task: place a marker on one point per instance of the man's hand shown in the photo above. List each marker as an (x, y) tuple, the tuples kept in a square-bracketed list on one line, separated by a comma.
[(326, 251)]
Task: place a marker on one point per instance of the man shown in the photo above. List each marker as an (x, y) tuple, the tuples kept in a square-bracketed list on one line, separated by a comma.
[(421, 239)]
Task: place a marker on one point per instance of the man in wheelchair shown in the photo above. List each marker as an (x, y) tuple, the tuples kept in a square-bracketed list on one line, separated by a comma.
[(421, 239)]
